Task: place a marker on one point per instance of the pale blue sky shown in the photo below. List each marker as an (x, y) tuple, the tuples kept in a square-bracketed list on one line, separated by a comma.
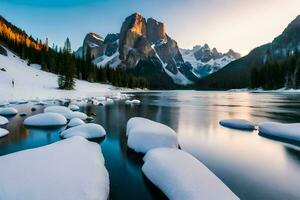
[(240, 25)]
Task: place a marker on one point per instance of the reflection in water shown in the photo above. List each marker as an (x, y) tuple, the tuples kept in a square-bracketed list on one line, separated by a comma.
[(252, 166)]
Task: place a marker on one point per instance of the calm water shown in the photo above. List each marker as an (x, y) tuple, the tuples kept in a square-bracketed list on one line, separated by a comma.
[(252, 166)]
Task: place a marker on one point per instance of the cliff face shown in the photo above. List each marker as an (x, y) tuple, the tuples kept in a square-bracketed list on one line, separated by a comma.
[(144, 40), (93, 45)]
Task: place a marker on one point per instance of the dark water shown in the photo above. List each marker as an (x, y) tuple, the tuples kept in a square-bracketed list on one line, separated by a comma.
[(252, 166)]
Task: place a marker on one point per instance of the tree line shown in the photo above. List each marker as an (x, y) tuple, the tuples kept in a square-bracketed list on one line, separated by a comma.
[(62, 61), (275, 73)]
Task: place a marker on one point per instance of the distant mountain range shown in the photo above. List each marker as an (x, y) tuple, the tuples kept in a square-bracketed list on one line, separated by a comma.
[(144, 47), (206, 61), (237, 74)]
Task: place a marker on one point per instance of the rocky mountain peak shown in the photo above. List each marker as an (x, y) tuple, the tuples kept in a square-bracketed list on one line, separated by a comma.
[(155, 31), (233, 54), (294, 24)]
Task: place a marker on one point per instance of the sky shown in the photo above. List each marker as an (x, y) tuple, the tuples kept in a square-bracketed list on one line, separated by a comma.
[(225, 24)]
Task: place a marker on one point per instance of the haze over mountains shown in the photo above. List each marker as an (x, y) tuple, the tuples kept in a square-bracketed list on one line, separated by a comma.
[(237, 74)]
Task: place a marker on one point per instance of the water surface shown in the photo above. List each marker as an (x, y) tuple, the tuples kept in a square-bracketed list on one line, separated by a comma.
[(252, 166)]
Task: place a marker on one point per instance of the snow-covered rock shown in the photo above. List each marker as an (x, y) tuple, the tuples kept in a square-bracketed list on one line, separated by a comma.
[(3, 132), (75, 122), (238, 124), (46, 119), (144, 134), (3, 121), (135, 101), (77, 114), (74, 107), (88, 131), (181, 176), (71, 169), (66, 112), (8, 111), (275, 129)]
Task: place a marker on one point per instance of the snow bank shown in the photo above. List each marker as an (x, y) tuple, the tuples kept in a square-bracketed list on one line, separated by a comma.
[(31, 82), (8, 111), (181, 176), (75, 122), (3, 121), (74, 107), (286, 131), (66, 112), (238, 124), (144, 134), (46, 119), (69, 169), (88, 131), (3, 132), (77, 114)]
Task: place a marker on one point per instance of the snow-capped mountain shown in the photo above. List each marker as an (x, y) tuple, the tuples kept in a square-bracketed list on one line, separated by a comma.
[(205, 60), (140, 40)]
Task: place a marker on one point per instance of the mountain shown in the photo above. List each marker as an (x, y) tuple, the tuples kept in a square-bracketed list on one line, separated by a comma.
[(141, 43), (237, 74), (205, 60)]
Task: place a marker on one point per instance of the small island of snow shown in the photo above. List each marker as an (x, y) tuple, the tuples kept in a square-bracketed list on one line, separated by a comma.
[(88, 131), (286, 131), (240, 124), (181, 176), (46, 119), (69, 169), (144, 134)]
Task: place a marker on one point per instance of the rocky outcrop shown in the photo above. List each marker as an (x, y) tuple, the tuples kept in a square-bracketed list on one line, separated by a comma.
[(155, 31), (142, 39), (233, 54), (93, 46)]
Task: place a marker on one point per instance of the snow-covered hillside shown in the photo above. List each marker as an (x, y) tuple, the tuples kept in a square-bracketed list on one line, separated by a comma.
[(206, 61), (30, 82)]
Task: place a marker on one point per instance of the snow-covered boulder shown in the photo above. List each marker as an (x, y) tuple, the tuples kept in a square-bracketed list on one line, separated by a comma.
[(8, 111), (68, 169), (75, 122), (240, 124), (77, 114), (46, 119), (133, 102), (66, 112), (275, 129), (3, 121), (74, 107), (181, 176), (88, 131), (144, 134), (3, 132)]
